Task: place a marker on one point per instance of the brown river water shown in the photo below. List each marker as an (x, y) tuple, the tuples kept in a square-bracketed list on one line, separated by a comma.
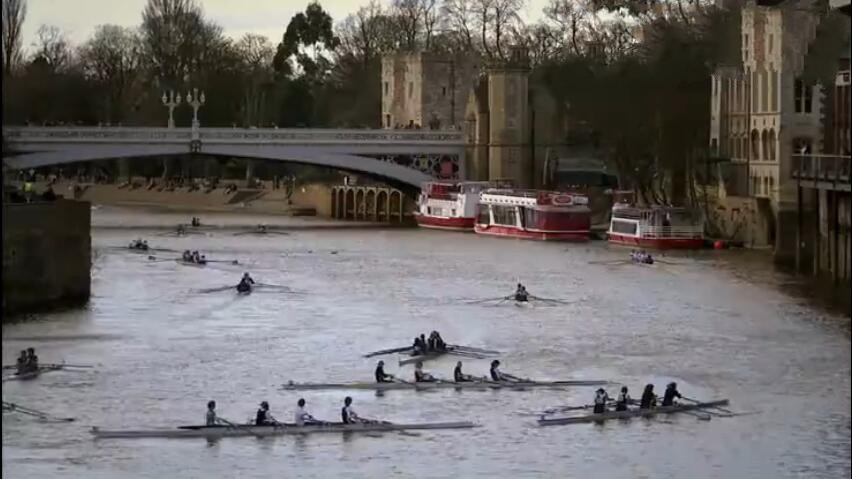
[(722, 324)]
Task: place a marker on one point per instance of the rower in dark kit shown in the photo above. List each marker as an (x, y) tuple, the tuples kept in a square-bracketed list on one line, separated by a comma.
[(424, 343), (264, 418), (245, 284), (623, 400), (32, 360), (381, 376), (649, 399), (440, 345), (497, 375), (459, 376), (521, 294), (302, 416), (22, 364), (417, 347), (601, 398), (348, 414), (420, 376), (670, 394)]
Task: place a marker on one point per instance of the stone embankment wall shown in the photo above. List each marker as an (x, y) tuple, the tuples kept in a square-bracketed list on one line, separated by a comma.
[(47, 255)]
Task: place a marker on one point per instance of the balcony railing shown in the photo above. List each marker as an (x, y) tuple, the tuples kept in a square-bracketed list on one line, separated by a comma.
[(680, 232), (825, 171)]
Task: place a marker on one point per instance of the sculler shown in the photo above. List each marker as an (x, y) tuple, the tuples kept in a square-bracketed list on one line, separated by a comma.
[(348, 414), (187, 256), (623, 400), (264, 418), (22, 363), (381, 376), (670, 394), (459, 376), (497, 375), (245, 284), (302, 416), (32, 360), (420, 376), (649, 399), (521, 294), (601, 398), (418, 348), (424, 343), (212, 419)]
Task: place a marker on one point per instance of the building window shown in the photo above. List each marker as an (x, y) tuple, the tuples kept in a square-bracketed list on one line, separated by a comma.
[(771, 184), (386, 88), (776, 90), (764, 91), (797, 96), (410, 89), (443, 91), (754, 93), (387, 120), (755, 145), (765, 145), (772, 149), (771, 41), (809, 90)]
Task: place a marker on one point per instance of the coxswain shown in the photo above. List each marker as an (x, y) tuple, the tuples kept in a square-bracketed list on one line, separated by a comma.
[(264, 418), (649, 399), (381, 376), (521, 294), (212, 418), (623, 400), (202, 260), (459, 376), (601, 398), (670, 394), (420, 376), (22, 362), (348, 414), (32, 360), (302, 416)]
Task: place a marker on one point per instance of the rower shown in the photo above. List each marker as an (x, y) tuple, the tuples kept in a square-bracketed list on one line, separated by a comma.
[(601, 398), (521, 294), (22, 362), (440, 345), (261, 228), (424, 343), (496, 375), (212, 418), (202, 260), (381, 377), (459, 376), (302, 417), (196, 258), (187, 256), (623, 400), (181, 229), (264, 418), (420, 376), (32, 360), (670, 394), (347, 414), (649, 399), (417, 348)]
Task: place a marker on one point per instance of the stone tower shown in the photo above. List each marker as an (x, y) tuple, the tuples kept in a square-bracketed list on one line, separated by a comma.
[(508, 118)]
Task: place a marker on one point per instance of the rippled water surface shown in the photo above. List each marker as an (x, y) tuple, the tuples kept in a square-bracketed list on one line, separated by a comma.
[(721, 324)]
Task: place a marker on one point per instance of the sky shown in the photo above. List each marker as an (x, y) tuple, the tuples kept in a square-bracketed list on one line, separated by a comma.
[(78, 18)]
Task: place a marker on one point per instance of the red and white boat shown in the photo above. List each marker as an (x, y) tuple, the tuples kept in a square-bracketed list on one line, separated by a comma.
[(533, 214), (661, 227), (449, 205)]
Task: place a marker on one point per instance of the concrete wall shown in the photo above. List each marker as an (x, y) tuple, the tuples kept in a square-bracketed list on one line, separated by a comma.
[(47, 255)]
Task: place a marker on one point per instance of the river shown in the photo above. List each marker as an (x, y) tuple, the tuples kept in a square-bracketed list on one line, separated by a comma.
[(721, 324)]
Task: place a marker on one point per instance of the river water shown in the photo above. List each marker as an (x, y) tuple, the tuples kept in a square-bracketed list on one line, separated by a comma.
[(722, 324)]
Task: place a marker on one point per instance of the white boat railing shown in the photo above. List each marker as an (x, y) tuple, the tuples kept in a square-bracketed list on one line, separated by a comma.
[(692, 231)]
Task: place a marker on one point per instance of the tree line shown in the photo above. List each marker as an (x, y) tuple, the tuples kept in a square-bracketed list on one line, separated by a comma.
[(630, 76)]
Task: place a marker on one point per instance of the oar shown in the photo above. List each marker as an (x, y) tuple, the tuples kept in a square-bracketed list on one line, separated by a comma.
[(229, 261), (700, 415), (727, 411), (388, 351), (154, 258), (457, 347), (215, 290), (35, 413), (247, 427)]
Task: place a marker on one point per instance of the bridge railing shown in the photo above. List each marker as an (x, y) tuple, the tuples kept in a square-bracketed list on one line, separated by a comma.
[(282, 135), (824, 169)]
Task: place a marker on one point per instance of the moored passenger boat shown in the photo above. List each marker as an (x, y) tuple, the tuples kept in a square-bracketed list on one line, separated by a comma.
[(448, 205), (661, 227), (533, 214)]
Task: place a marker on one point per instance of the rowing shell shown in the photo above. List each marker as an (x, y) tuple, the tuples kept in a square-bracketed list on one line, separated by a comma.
[(631, 413), (191, 263), (32, 374), (286, 429), (421, 357), (442, 385)]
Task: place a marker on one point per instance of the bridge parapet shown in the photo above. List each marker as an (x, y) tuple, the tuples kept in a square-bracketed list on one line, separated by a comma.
[(831, 172)]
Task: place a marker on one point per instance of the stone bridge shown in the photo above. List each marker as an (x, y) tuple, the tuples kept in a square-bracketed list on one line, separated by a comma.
[(406, 157)]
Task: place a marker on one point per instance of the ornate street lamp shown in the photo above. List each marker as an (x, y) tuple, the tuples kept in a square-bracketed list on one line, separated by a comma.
[(171, 101), (195, 101)]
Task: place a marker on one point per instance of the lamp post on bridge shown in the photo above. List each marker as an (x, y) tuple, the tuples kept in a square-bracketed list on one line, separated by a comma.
[(171, 101), (195, 101)]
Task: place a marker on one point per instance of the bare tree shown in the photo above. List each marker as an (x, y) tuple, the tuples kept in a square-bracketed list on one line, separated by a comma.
[(460, 18), (52, 46), (255, 53), (14, 14), (495, 20), (111, 59), (569, 17)]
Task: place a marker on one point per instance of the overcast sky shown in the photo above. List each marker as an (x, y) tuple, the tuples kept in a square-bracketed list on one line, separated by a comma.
[(77, 18)]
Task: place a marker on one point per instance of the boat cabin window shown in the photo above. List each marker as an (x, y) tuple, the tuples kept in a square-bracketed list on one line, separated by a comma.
[(483, 215), (504, 215), (623, 227)]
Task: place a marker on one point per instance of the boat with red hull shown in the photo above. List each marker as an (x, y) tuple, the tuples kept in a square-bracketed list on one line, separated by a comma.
[(659, 227), (533, 214), (448, 205)]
